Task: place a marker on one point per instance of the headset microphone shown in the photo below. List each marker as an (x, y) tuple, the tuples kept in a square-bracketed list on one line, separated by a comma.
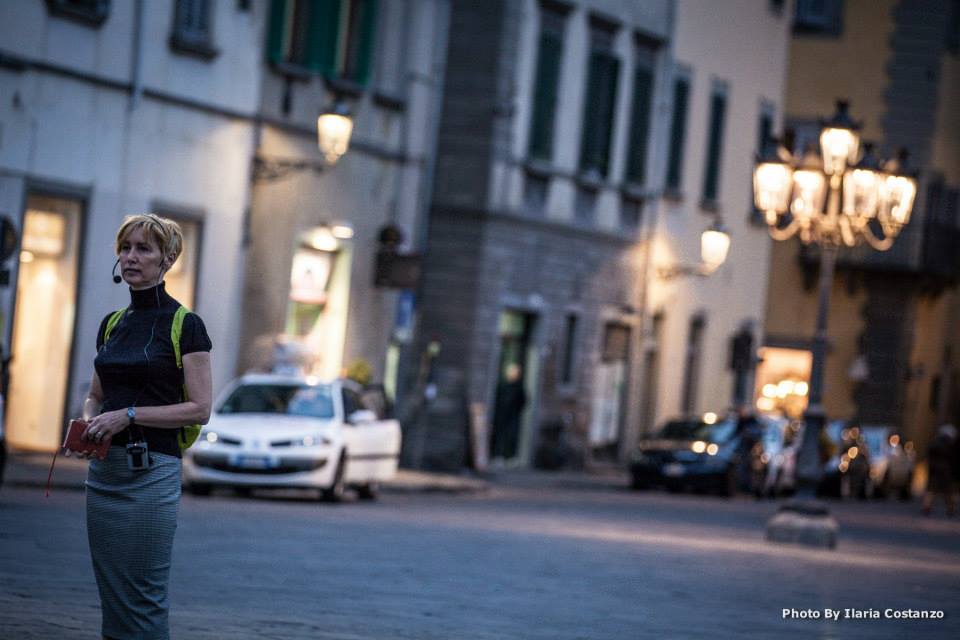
[(116, 277)]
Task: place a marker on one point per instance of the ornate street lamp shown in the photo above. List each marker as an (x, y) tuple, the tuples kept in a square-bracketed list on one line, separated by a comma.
[(334, 130), (839, 197)]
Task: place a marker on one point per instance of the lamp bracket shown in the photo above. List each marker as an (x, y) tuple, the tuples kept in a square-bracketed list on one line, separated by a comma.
[(269, 169), (676, 271)]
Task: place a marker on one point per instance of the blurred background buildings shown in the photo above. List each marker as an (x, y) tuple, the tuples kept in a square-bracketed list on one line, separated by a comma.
[(546, 167)]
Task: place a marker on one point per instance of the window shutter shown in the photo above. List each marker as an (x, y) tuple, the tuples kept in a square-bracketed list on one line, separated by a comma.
[(718, 107), (545, 96), (681, 92), (323, 36), (278, 14), (368, 34), (598, 113), (640, 124)]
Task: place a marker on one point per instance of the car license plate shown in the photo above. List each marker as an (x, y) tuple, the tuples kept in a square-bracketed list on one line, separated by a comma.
[(673, 470), (253, 462)]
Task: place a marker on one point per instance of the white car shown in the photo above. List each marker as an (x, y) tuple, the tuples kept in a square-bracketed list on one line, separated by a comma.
[(270, 430)]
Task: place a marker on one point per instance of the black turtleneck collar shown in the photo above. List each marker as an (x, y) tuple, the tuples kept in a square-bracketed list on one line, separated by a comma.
[(147, 298)]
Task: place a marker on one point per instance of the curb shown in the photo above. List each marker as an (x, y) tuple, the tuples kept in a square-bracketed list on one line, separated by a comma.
[(30, 473)]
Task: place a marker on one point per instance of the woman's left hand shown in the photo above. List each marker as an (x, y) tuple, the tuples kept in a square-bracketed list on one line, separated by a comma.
[(106, 424)]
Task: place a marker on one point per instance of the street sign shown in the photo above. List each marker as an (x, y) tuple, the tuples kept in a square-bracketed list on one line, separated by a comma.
[(403, 322)]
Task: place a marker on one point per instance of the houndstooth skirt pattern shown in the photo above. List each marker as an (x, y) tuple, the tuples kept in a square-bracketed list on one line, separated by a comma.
[(131, 521)]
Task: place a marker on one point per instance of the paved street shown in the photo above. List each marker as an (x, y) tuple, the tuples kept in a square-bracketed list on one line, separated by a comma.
[(536, 557)]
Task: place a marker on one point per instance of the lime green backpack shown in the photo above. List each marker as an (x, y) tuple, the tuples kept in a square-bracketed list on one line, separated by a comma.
[(189, 434)]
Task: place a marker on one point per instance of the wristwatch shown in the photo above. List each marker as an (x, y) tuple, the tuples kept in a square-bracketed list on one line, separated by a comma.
[(131, 414)]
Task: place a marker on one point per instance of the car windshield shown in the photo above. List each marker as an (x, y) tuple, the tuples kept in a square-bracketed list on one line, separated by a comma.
[(314, 401), (698, 430)]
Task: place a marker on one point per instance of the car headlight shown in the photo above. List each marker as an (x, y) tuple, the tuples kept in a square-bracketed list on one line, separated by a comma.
[(210, 436), (313, 440)]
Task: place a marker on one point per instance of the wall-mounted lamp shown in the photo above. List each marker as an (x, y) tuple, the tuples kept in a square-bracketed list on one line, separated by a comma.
[(714, 246), (334, 130)]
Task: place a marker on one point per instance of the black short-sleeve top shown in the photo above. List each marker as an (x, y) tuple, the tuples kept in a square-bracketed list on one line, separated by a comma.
[(137, 366)]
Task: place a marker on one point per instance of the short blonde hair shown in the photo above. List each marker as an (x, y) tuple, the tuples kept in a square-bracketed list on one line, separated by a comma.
[(164, 231)]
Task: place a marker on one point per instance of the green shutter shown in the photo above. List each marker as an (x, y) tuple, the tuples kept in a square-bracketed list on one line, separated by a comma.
[(275, 37), (598, 112), (545, 96), (678, 127), (718, 107), (368, 35), (322, 39), (640, 124)]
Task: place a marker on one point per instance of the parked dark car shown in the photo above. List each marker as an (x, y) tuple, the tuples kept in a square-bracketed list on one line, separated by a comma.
[(690, 453), (847, 472)]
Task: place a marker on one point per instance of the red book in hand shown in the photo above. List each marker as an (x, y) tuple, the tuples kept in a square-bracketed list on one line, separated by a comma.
[(74, 442)]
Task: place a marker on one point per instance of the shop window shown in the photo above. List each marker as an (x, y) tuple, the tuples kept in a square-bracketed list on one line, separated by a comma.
[(43, 321), (331, 37), (181, 280)]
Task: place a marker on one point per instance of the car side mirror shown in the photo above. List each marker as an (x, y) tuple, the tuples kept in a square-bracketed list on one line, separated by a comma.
[(361, 416)]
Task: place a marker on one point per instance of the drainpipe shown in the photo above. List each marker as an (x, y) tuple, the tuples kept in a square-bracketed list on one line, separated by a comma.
[(650, 228), (136, 61)]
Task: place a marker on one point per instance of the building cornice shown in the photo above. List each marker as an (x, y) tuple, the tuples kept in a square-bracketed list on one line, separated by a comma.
[(558, 227), (22, 64)]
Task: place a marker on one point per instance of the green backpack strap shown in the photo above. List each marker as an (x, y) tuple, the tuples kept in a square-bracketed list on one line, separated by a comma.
[(189, 434), (113, 321)]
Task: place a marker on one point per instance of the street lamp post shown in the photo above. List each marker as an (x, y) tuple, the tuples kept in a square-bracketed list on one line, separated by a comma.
[(841, 197)]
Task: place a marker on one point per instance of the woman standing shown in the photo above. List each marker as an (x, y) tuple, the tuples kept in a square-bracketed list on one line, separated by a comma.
[(137, 398)]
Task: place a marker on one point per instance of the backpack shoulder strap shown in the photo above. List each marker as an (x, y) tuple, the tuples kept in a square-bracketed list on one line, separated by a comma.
[(112, 322), (176, 329)]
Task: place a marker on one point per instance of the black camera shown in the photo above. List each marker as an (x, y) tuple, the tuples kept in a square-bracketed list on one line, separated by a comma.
[(138, 457)]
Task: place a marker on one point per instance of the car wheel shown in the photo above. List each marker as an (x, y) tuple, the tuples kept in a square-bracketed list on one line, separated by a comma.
[(368, 491), (243, 492), (777, 489), (729, 488), (198, 489), (905, 491), (334, 493), (637, 483)]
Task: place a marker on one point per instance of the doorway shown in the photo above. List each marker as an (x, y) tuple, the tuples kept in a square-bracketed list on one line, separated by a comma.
[(516, 376), (610, 393), (43, 322)]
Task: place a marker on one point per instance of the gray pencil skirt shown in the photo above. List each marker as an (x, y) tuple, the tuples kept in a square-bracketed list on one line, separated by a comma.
[(131, 520)]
